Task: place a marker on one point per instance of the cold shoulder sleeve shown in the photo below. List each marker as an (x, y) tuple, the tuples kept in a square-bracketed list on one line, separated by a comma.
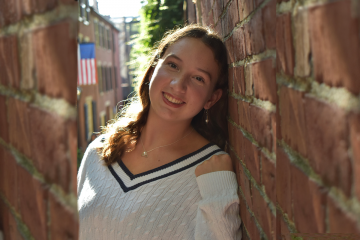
[(218, 211)]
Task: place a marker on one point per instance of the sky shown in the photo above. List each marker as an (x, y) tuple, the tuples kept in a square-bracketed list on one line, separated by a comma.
[(118, 8)]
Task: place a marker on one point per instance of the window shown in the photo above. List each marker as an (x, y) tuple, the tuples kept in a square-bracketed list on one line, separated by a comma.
[(113, 41), (84, 10), (96, 32), (115, 76), (108, 39), (86, 121), (93, 103), (110, 78), (100, 78)]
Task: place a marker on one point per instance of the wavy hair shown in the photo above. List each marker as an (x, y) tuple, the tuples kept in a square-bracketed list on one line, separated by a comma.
[(126, 128)]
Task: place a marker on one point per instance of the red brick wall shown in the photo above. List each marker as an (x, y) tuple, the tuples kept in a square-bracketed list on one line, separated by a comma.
[(318, 137), (38, 133), (294, 112)]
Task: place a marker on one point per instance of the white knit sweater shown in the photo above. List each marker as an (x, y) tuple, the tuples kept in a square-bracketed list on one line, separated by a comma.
[(169, 202)]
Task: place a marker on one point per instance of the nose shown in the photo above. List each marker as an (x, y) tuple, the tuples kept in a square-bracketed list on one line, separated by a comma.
[(179, 83)]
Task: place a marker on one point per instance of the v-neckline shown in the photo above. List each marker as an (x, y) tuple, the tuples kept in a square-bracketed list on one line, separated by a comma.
[(129, 181)]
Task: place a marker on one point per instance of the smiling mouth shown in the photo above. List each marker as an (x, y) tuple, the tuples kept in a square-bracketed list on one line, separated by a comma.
[(171, 99)]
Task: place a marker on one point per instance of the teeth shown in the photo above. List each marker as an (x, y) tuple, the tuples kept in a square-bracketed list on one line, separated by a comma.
[(171, 99)]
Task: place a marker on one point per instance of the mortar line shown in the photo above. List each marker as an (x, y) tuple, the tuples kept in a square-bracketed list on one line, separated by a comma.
[(20, 225), (347, 204), (293, 6), (258, 226), (264, 104), (268, 53), (339, 96), (289, 224), (56, 106), (270, 155), (67, 199), (40, 20), (254, 183), (247, 19)]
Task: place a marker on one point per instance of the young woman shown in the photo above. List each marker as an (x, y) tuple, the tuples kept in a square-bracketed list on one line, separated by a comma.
[(159, 171)]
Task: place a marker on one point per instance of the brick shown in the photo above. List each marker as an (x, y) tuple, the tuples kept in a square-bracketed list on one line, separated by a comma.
[(33, 199), (245, 8), (302, 44), (249, 81), (56, 42), (263, 213), (327, 143), (239, 80), (27, 61), (233, 110), (54, 147), (238, 142), (341, 221), (72, 146), (191, 13), (244, 115), (217, 9), (309, 203), (60, 229), (230, 50), (8, 173), (239, 44), (285, 233), (245, 186), (274, 130), (19, 132), (284, 45), (257, 3), (236, 166), (278, 224), (9, 61), (68, 2), (4, 126), (254, 38), (219, 28), (283, 182), (268, 171), (232, 139), (355, 146), (10, 12), (39, 6), (261, 126), (335, 43), (233, 12), (251, 156), (8, 224), (248, 222), (231, 80), (264, 78), (191, 17), (210, 20), (292, 122), (269, 21)]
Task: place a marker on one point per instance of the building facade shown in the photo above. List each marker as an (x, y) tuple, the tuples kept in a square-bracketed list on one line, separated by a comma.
[(97, 103)]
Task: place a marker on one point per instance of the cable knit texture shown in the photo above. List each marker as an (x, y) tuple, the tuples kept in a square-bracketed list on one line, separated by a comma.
[(168, 202)]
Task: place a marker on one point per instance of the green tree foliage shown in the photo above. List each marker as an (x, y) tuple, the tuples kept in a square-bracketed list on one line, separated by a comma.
[(156, 17)]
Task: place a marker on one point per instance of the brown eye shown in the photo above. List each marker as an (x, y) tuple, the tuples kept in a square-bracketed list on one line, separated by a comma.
[(172, 65), (200, 79)]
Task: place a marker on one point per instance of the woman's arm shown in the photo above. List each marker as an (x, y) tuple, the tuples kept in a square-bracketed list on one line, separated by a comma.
[(218, 211)]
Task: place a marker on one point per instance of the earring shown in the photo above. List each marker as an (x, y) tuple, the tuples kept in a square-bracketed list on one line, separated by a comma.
[(206, 116)]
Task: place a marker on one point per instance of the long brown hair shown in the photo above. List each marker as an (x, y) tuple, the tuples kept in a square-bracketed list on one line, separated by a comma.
[(127, 127)]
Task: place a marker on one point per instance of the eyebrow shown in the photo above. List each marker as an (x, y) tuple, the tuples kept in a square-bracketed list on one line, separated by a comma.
[(199, 69)]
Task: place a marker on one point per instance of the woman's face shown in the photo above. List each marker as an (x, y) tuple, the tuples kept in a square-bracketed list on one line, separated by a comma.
[(183, 81)]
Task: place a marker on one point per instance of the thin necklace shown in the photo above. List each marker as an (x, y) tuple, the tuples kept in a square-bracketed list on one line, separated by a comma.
[(144, 154)]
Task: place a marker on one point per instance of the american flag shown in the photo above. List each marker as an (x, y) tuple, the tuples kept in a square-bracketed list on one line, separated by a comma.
[(86, 64)]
